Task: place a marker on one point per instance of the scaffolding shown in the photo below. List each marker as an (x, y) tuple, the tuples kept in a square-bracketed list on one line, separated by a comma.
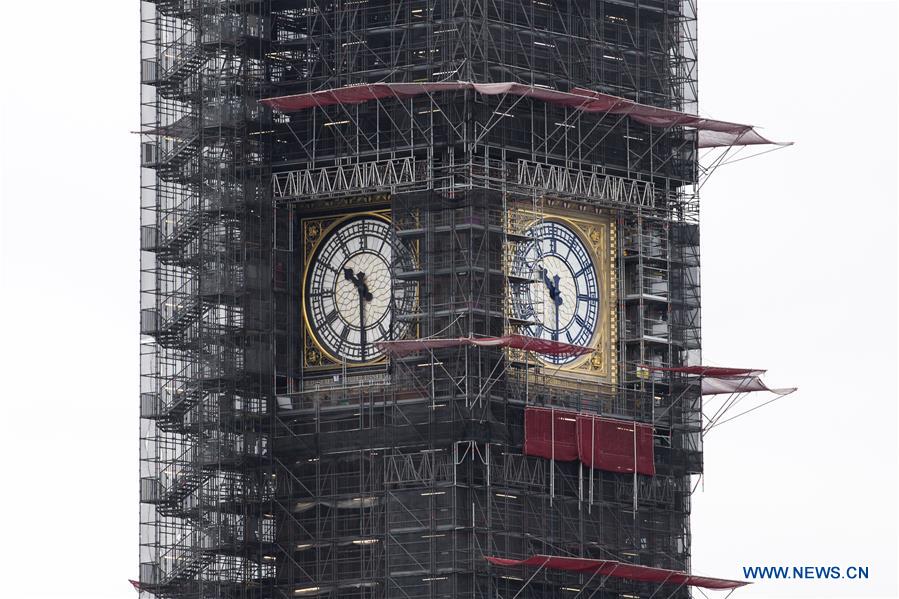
[(263, 476)]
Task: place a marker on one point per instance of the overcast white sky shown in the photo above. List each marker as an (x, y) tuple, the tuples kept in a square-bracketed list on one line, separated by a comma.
[(799, 276)]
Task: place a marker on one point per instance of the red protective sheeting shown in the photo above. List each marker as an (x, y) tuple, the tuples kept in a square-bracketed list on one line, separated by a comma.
[(716, 371), (534, 344), (618, 569), (602, 443), (713, 133), (550, 434), (615, 445)]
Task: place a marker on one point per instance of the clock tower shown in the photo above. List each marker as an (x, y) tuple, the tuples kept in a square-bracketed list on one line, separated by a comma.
[(406, 268)]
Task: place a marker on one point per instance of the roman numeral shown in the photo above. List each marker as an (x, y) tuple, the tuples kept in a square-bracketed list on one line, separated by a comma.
[(578, 274)]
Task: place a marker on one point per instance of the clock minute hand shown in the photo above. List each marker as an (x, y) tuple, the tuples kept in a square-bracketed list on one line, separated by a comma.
[(365, 295)]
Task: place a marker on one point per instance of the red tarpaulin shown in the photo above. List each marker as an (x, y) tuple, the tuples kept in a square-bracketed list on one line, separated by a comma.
[(713, 133), (618, 569), (716, 371), (534, 344), (602, 443), (550, 434), (615, 445)]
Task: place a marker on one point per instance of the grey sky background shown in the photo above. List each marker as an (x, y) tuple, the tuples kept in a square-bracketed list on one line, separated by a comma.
[(799, 276)]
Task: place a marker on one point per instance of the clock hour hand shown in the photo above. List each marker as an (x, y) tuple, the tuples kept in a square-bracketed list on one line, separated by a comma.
[(553, 286), (556, 297), (358, 280), (546, 281)]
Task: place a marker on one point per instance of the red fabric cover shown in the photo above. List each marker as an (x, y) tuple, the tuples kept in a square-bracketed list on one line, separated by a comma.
[(601, 443), (610, 445), (716, 371), (618, 569), (542, 441), (719, 133), (542, 346)]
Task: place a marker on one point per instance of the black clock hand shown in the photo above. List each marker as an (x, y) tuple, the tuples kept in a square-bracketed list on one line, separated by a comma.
[(558, 292), (547, 282), (556, 297), (553, 287), (362, 325), (358, 282), (363, 289), (365, 295), (349, 276)]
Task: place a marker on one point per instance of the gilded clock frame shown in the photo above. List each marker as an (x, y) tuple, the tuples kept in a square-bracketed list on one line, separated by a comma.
[(316, 230), (598, 233)]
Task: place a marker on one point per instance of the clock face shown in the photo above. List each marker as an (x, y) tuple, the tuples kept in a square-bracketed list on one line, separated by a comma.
[(560, 298), (351, 296)]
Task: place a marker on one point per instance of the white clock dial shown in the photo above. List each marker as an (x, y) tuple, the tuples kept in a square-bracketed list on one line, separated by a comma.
[(351, 297), (560, 300)]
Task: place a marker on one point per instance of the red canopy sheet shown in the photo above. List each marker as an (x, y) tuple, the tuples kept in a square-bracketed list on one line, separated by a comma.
[(534, 344), (619, 570), (713, 133), (602, 443), (716, 371)]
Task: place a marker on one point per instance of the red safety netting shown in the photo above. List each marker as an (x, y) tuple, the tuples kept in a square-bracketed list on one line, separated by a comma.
[(534, 344), (615, 445), (716, 371), (602, 443), (713, 133), (619, 570)]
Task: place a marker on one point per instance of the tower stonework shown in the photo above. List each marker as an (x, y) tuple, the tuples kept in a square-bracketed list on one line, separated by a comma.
[(410, 282)]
